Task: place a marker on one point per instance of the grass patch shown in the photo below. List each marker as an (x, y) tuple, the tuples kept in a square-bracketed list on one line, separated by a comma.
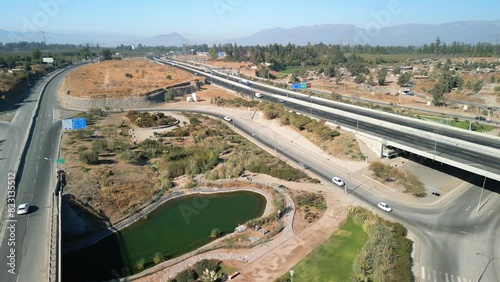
[(365, 248), (334, 259), (291, 70), (461, 124), (408, 180)]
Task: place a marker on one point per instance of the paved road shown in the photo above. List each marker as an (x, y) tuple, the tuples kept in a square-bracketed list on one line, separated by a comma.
[(458, 153), (451, 231), (453, 133), (35, 184)]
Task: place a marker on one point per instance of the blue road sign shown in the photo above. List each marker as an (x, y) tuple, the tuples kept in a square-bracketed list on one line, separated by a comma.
[(75, 123), (79, 123)]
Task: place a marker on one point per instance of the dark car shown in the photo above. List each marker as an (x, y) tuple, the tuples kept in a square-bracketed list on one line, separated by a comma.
[(436, 193), (480, 118)]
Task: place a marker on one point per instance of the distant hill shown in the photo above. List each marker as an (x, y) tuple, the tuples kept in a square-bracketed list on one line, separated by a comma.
[(406, 34), (103, 39)]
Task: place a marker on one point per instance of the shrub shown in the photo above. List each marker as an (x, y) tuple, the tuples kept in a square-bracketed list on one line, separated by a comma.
[(99, 145), (210, 264), (90, 158), (157, 258), (128, 75), (139, 265), (215, 233), (168, 76), (188, 275)]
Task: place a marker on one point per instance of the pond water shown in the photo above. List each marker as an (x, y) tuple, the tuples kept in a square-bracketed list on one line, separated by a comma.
[(175, 228)]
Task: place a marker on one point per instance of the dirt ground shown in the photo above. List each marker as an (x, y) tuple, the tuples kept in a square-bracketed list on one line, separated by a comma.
[(387, 93), (107, 78)]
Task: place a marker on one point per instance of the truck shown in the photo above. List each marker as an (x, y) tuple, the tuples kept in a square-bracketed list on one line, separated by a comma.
[(244, 81)]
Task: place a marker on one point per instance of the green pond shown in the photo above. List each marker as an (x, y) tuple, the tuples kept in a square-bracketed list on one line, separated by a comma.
[(175, 228)]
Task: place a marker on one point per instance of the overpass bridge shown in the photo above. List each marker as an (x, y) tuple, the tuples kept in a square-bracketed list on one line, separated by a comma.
[(471, 151)]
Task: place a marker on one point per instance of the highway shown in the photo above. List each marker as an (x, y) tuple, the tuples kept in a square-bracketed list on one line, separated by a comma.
[(450, 232), (35, 184), (458, 153), (453, 133), (434, 226)]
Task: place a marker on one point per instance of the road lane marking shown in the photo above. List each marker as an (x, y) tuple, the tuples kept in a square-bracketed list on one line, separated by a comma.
[(423, 273), (490, 212), (459, 279), (36, 168), (435, 275), (446, 277), (467, 209)]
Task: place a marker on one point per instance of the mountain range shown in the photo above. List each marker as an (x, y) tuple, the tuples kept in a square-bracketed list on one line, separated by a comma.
[(403, 35)]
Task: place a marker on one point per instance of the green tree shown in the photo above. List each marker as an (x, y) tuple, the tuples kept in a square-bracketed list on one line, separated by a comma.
[(382, 75), (397, 70), (37, 55), (169, 96), (404, 79), (106, 54), (438, 94), (188, 275), (330, 71), (213, 54), (360, 78), (356, 65)]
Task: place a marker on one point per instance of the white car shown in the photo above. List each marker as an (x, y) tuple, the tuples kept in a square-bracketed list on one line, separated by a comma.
[(258, 95), (228, 119), (23, 208), (338, 181), (384, 207)]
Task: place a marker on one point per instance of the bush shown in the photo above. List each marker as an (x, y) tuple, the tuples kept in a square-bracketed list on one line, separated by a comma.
[(188, 275), (100, 145), (157, 258), (128, 75), (215, 233), (168, 76), (386, 255), (308, 199), (210, 264), (90, 158), (139, 265)]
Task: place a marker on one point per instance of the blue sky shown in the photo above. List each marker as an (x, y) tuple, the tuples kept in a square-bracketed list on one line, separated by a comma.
[(230, 18)]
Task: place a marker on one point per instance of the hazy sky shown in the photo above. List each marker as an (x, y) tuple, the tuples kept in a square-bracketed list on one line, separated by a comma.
[(229, 18)]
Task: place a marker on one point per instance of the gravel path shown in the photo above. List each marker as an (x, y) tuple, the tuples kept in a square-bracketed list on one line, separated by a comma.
[(248, 257)]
